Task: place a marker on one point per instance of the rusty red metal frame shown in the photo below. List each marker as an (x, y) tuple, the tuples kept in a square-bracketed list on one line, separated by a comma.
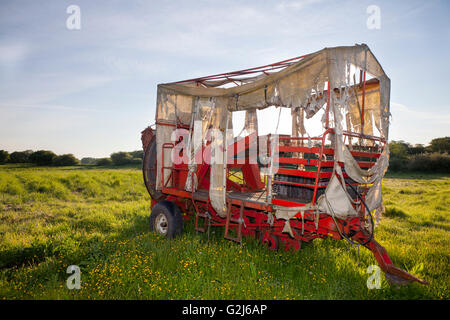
[(249, 218)]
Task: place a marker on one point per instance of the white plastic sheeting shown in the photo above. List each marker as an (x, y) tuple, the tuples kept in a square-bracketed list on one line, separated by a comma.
[(301, 86)]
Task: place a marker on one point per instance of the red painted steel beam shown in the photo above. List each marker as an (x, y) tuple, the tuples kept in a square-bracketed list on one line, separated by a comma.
[(315, 162), (326, 151)]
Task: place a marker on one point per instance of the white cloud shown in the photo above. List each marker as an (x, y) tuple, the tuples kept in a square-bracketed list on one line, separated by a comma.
[(296, 5), (55, 107), (418, 126), (12, 54), (400, 110), (218, 31), (42, 89)]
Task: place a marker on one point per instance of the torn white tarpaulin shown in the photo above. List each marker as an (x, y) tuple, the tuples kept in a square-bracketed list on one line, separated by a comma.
[(301, 86), (287, 213), (336, 201)]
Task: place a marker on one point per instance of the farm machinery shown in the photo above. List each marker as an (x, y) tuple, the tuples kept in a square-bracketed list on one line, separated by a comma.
[(285, 190)]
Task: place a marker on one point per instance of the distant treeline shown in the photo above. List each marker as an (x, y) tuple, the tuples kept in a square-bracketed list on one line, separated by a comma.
[(49, 158), (435, 157), (40, 158), (404, 157), (118, 159)]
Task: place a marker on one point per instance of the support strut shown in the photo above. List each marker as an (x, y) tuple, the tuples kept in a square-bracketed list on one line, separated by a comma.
[(393, 274)]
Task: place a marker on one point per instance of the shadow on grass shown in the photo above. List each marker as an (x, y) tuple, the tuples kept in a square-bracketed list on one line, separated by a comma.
[(39, 251), (393, 212), (416, 175), (284, 267)]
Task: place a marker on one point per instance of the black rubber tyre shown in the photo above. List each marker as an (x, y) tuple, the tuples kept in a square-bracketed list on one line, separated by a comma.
[(149, 170), (166, 219), (269, 240)]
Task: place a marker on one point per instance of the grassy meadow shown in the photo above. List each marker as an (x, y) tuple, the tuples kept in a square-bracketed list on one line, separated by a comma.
[(97, 218)]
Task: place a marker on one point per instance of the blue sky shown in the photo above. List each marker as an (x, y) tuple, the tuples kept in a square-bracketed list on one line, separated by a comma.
[(91, 91)]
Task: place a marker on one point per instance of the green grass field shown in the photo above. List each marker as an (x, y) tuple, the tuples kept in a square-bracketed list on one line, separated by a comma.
[(51, 218)]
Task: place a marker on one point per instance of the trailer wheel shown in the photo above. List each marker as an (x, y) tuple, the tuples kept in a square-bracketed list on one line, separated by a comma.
[(166, 219), (291, 244), (269, 240), (149, 170)]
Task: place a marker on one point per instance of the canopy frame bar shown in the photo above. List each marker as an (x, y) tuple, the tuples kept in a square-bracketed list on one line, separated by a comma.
[(228, 75)]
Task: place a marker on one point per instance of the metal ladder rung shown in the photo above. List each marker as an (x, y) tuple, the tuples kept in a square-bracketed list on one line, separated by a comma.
[(205, 217), (238, 222)]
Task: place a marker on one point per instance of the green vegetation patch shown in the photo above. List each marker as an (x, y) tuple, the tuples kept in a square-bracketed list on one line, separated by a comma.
[(51, 218)]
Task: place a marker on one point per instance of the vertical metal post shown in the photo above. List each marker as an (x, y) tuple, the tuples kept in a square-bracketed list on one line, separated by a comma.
[(319, 167), (319, 162), (363, 99), (328, 106), (225, 160), (269, 178)]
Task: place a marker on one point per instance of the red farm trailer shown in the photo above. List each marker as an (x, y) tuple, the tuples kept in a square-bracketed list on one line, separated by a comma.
[(283, 189)]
